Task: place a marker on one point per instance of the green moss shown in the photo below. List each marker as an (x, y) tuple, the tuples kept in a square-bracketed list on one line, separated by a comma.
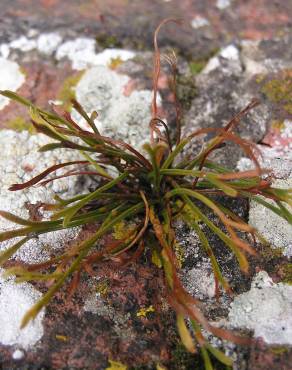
[(67, 91), (197, 66), (20, 124), (279, 90), (287, 273), (107, 41), (186, 90)]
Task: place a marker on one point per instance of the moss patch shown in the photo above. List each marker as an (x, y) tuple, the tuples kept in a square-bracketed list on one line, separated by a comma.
[(197, 66), (108, 41), (20, 124), (279, 90), (67, 91), (286, 273), (186, 90)]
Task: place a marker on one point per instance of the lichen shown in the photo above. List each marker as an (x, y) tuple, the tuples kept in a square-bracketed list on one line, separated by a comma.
[(15, 299), (279, 90), (115, 365), (266, 309), (20, 149), (143, 312), (119, 116), (11, 78), (272, 227), (115, 62)]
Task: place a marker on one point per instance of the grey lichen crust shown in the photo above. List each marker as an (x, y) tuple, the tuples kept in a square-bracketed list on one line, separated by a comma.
[(15, 299), (275, 229), (266, 309), (19, 162), (119, 116)]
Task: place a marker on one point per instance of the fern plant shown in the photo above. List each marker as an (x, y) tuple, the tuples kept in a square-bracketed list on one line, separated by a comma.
[(156, 187)]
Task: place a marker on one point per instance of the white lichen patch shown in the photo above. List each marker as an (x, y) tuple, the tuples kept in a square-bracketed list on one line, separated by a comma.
[(108, 55), (47, 43), (199, 22), (19, 162), (266, 309), (227, 60), (230, 52), (82, 54), (81, 51), (200, 281), (119, 116), (23, 44), (223, 4), (11, 78), (274, 228), (15, 300), (4, 50), (17, 355)]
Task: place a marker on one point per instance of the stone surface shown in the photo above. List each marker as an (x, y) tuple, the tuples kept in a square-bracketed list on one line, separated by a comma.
[(15, 300), (11, 78), (20, 162), (223, 90), (274, 228), (266, 309), (119, 116), (229, 52)]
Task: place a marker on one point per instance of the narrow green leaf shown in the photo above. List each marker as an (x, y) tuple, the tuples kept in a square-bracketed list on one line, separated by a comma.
[(227, 189), (174, 153), (39, 120), (182, 172), (16, 219), (98, 168), (219, 355), (5, 255), (13, 96), (184, 334), (69, 212)]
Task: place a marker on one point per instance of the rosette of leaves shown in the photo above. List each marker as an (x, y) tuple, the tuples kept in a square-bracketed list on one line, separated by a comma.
[(155, 187)]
